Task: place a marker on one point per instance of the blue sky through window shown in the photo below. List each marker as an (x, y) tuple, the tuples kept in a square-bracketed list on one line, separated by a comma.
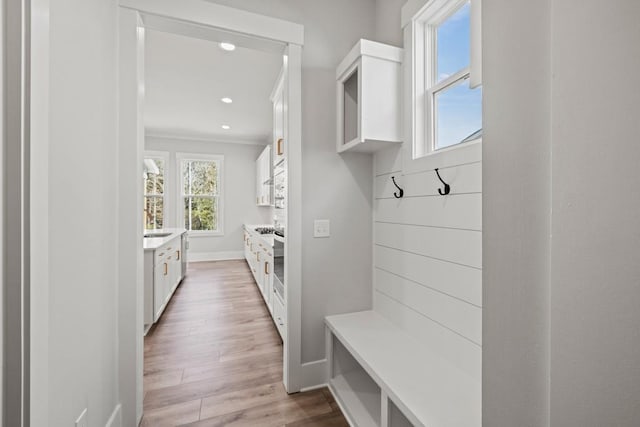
[(458, 113), (453, 43), (458, 109)]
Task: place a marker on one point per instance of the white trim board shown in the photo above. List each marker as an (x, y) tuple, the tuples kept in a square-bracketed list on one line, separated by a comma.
[(218, 16), (214, 256), (204, 138), (130, 153)]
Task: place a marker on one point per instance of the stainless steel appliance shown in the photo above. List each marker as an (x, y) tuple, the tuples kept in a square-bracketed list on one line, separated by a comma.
[(278, 264)]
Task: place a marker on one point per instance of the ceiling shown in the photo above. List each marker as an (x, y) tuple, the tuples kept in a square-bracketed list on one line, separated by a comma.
[(186, 77)]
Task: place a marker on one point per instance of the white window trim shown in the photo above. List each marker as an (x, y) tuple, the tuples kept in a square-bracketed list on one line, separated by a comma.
[(180, 157), (166, 200), (420, 19)]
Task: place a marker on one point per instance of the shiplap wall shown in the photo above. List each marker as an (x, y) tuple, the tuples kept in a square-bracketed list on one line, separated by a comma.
[(428, 250)]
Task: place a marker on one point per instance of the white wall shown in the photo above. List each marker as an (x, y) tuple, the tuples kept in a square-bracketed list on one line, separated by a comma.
[(388, 26), (516, 208), (82, 311), (239, 194), (561, 209), (595, 273), (336, 272)]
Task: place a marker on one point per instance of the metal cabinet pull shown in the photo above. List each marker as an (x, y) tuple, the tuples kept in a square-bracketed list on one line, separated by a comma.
[(177, 255), (280, 147), (266, 268), (166, 268)]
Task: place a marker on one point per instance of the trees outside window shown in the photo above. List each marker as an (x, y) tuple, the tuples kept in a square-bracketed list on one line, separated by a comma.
[(154, 193), (201, 192)]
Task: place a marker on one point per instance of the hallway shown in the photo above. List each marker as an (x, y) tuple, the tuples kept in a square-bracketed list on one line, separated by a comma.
[(215, 359)]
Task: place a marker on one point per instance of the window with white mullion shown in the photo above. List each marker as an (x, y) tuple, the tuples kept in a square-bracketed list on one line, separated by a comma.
[(201, 188), (452, 109), (154, 192)]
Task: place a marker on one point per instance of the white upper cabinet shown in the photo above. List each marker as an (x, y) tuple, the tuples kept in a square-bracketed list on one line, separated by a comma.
[(264, 178), (369, 97), (277, 98)]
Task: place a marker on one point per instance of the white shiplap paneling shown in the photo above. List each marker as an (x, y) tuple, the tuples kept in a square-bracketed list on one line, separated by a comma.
[(428, 250), (458, 246), (458, 281), (462, 211), (464, 319), (462, 179)]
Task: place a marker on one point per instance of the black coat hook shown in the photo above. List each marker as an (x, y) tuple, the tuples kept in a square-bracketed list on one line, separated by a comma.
[(447, 187), (395, 194)]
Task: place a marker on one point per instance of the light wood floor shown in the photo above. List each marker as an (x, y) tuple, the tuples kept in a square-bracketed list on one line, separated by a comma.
[(215, 359)]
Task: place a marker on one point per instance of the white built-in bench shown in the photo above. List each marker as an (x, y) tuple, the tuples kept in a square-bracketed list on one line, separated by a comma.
[(381, 376)]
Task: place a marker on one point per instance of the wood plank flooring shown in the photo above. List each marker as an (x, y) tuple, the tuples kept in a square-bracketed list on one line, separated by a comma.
[(215, 359)]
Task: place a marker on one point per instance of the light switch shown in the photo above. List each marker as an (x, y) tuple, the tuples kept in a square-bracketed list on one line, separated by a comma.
[(321, 228)]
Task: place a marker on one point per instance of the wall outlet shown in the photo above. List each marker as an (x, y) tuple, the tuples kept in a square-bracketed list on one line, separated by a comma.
[(321, 228), (82, 419)]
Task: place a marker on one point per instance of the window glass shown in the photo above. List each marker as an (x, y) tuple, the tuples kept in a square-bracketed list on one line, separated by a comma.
[(154, 212), (200, 194), (458, 113), (200, 177), (154, 193), (453, 43), (200, 213)]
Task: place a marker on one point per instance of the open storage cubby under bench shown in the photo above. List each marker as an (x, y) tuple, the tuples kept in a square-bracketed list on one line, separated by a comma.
[(381, 376)]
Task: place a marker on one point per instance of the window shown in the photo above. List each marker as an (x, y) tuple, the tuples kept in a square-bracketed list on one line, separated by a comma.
[(201, 193), (451, 106), (154, 192)]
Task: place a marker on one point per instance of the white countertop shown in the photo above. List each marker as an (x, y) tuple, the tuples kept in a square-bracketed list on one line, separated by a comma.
[(153, 243)]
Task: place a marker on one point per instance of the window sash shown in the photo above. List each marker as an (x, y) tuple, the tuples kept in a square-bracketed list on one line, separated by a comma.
[(163, 209), (431, 113), (432, 86), (184, 162), (216, 205)]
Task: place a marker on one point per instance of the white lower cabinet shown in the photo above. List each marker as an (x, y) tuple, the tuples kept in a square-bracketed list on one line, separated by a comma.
[(259, 256), (163, 273)]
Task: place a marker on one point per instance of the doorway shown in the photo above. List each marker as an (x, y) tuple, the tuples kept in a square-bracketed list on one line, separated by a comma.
[(202, 20)]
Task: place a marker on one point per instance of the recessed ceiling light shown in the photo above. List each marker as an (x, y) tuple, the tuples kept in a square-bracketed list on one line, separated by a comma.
[(227, 46), (227, 100), (226, 127)]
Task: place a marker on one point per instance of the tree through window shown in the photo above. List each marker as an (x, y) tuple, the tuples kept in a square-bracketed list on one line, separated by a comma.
[(201, 194), (154, 193)]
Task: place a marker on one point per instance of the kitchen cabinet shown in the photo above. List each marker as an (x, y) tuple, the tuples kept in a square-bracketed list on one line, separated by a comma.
[(264, 178), (279, 314), (369, 97), (278, 101), (163, 272), (258, 250)]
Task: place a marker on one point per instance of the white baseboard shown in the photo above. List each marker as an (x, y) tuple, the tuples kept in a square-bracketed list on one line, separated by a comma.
[(215, 256), (314, 375), (115, 420)]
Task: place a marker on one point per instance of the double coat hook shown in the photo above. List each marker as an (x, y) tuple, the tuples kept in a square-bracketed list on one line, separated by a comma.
[(447, 187), (396, 194)]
